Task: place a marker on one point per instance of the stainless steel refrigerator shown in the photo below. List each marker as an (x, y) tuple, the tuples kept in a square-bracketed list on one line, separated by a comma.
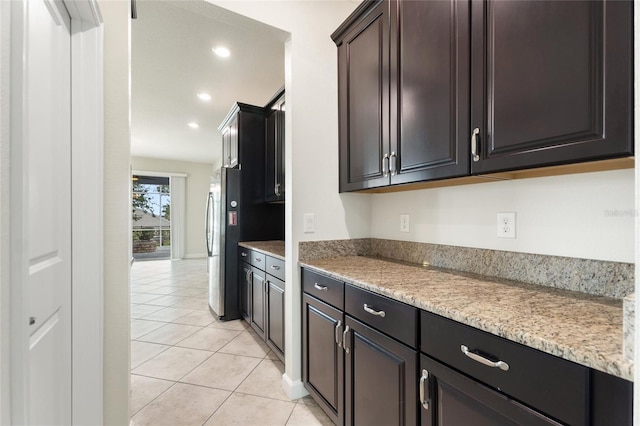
[(236, 212), (223, 233)]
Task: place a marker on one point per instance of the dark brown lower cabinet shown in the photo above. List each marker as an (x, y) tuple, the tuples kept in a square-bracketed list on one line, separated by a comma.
[(274, 329), (258, 291), (322, 356), (245, 291), (380, 379), (449, 398)]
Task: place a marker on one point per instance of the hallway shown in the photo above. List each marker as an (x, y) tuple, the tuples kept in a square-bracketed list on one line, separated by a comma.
[(189, 369)]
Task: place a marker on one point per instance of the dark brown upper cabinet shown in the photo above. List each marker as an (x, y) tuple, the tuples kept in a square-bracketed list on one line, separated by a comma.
[(363, 98), (522, 84), (551, 82), (429, 86), (274, 149), (403, 85)]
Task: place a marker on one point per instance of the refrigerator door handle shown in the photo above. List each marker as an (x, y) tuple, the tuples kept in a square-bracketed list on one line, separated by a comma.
[(208, 225)]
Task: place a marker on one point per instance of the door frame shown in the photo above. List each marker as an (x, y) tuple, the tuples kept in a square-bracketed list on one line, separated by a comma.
[(87, 215)]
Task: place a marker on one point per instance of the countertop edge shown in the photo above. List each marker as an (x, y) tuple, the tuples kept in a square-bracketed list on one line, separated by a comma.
[(251, 245), (617, 366)]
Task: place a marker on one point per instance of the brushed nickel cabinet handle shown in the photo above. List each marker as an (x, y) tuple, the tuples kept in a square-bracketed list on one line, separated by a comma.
[(372, 311), (344, 339), (424, 402), (276, 267), (474, 144), (243, 254), (320, 287), (385, 165), (484, 361), (338, 327), (393, 167)]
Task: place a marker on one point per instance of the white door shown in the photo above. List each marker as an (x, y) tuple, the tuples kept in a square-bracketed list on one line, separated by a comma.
[(48, 213)]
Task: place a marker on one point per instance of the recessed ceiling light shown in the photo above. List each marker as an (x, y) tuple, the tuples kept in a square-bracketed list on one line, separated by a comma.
[(221, 51), (193, 125), (205, 97)]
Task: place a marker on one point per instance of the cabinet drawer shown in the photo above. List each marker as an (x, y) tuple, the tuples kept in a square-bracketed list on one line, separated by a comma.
[(552, 385), (258, 260), (275, 267), (394, 318), (323, 288), (244, 254)]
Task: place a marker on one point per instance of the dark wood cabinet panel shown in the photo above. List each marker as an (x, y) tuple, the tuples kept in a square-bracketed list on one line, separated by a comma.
[(322, 356), (551, 82), (274, 149), (452, 399), (274, 332), (258, 291), (544, 83), (430, 80), (363, 97), (380, 378), (245, 291)]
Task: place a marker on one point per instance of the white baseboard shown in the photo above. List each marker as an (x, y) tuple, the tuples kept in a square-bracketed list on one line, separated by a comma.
[(195, 256), (293, 389)]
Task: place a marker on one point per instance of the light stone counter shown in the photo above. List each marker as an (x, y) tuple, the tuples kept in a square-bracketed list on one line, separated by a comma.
[(270, 248), (579, 327)]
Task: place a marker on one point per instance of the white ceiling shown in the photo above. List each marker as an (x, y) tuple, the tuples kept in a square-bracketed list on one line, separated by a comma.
[(172, 61)]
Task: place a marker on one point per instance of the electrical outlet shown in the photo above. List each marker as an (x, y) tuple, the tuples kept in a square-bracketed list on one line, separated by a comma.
[(309, 226), (507, 225), (404, 223)]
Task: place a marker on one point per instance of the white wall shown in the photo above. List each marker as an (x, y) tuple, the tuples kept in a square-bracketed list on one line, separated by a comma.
[(117, 196), (311, 135), (197, 188), (587, 215), (5, 63)]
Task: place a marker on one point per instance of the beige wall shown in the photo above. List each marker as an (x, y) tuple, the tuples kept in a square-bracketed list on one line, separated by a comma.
[(197, 188), (117, 216)]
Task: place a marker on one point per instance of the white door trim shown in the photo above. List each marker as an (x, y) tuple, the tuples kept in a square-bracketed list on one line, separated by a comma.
[(87, 253), (87, 213)]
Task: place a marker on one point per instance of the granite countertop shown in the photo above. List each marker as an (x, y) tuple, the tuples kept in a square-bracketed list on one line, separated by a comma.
[(270, 248), (582, 328)]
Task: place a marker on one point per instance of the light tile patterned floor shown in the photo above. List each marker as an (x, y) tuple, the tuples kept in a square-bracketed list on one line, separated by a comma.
[(189, 369)]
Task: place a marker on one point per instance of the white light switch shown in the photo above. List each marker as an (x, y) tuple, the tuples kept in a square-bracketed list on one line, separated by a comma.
[(309, 226)]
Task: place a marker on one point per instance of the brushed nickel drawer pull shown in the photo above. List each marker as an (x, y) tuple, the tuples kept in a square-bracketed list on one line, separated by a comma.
[(257, 259), (485, 361), (277, 268), (320, 287), (370, 310), (243, 254), (424, 402)]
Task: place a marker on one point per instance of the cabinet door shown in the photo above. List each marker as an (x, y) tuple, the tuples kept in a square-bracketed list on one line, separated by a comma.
[(322, 356), (380, 378), (226, 140), (233, 143), (363, 101), (270, 178), (275, 315), (430, 90), (245, 291), (258, 290), (452, 399), (279, 153), (551, 82)]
